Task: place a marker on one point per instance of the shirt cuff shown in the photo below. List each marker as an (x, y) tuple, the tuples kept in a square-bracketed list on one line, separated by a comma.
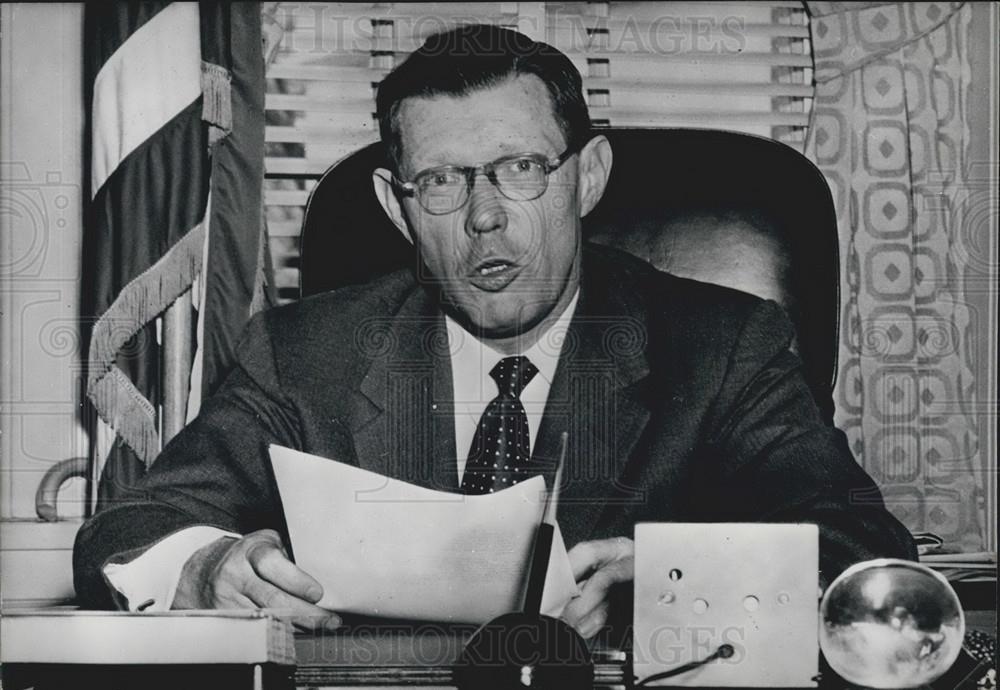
[(149, 582)]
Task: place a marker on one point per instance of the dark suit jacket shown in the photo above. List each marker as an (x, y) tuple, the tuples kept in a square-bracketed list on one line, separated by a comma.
[(681, 399)]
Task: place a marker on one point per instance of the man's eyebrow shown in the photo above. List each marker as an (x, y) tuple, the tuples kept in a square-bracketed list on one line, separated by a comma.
[(447, 159), (435, 161)]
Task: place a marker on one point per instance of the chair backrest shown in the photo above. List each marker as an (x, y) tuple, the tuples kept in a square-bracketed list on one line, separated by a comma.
[(720, 207)]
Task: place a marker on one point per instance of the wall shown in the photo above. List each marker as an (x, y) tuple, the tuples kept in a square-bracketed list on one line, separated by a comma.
[(41, 127)]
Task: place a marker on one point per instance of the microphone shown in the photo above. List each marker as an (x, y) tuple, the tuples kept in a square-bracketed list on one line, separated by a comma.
[(525, 649)]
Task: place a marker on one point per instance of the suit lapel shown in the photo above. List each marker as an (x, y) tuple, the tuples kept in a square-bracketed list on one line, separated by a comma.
[(404, 423), (597, 397)]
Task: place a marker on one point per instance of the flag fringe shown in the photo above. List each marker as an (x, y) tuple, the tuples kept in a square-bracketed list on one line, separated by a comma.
[(217, 102), (127, 412), (116, 399)]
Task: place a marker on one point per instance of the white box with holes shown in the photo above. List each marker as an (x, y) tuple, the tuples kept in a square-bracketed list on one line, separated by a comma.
[(726, 604)]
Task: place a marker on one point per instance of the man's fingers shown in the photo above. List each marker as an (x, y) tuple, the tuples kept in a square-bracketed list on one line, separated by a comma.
[(613, 573), (270, 563), (586, 614), (590, 624), (588, 556), (313, 624), (301, 613), (230, 598), (576, 610), (581, 559), (254, 572), (594, 593)]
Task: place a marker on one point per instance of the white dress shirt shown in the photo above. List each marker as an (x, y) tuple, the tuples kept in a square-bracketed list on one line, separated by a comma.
[(149, 582), (474, 388)]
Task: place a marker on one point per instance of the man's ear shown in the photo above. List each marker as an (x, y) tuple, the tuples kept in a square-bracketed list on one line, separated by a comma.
[(593, 172), (382, 181)]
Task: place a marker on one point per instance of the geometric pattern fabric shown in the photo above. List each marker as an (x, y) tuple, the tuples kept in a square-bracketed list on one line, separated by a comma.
[(890, 134)]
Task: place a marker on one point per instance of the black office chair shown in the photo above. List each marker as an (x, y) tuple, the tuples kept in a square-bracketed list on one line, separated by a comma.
[(721, 207)]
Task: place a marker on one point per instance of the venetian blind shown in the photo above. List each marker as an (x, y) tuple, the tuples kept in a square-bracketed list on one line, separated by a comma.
[(744, 66)]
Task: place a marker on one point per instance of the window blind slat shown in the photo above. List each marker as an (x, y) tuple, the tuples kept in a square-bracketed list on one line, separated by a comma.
[(286, 197), (580, 58), (346, 105), (666, 31), (647, 123), (284, 228), (302, 166), (355, 41), (650, 34), (332, 13), (286, 278), (580, 55), (324, 72), (642, 9), (361, 107), (667, 104), (647, 74), (304, 134), (360, 137), (656, 82), (356, 60), (717, 89), (331, 92), (704, 118)]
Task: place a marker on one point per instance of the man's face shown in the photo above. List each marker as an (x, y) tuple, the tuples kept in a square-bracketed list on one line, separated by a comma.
[(502, 265)]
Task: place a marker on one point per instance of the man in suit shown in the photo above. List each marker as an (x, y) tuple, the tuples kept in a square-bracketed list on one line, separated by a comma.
[(681, 400)]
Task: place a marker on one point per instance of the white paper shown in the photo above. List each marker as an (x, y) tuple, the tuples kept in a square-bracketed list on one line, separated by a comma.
[(385, 547)]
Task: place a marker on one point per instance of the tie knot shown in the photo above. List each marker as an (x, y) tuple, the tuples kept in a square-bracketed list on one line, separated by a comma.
[(512, 374)]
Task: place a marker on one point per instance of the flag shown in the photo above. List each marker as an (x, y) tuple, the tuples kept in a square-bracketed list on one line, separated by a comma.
[(238, 280), (176, 119)]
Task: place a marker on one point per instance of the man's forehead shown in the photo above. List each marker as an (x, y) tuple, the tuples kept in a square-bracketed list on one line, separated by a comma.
[(513, 116)]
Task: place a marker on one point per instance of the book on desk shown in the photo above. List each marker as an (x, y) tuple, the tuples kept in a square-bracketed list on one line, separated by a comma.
[(53, 649), (64, 636)]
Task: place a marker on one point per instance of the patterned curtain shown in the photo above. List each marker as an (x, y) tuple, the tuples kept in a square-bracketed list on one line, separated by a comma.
[(890, 133)]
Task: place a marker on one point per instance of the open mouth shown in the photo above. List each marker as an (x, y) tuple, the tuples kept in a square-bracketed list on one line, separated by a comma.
[(489, 268), (493, 274)]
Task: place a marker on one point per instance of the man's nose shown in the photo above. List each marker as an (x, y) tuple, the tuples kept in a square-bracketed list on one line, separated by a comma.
[(486, 212)]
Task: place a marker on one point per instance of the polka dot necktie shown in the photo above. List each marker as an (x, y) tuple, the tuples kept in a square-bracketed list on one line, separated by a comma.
[(501, 448)]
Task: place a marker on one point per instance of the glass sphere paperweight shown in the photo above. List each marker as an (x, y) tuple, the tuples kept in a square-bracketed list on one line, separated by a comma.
[(890, 623)]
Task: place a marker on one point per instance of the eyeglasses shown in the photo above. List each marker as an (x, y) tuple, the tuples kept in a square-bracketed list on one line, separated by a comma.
[(519, 177)]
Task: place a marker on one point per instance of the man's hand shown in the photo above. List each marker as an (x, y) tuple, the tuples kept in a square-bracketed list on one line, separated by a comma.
[(252, 572), (597, 567)]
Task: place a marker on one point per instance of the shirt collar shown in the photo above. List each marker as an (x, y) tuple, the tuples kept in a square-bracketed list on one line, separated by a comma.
[(472, 359)]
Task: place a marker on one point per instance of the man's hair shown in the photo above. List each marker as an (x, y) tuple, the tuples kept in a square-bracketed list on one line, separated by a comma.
[(479, 56)]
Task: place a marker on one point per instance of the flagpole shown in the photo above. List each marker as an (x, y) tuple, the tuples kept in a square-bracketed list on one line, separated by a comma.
[(177, 359)]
